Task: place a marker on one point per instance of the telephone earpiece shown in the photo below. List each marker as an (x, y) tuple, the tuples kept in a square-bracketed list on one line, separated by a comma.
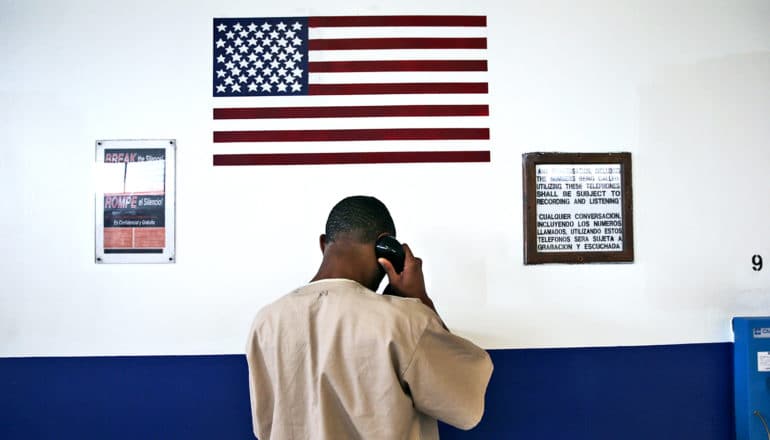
[(389, 248)]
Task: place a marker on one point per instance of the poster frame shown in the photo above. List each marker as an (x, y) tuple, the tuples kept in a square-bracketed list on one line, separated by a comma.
[(165, 255), (529, 163)]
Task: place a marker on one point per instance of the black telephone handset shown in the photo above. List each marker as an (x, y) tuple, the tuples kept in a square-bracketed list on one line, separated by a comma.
[(390, 249)]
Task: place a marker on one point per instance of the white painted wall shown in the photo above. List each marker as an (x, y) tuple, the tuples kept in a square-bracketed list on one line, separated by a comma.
[(683, 85)]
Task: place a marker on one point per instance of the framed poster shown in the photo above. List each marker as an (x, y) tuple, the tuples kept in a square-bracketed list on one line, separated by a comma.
[(578, 208), (135, 201)]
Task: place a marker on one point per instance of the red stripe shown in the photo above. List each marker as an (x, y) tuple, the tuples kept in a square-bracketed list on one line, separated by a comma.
[(351, 112), (396, 43), (378, 134), (399, 20), (351, 158), (399, 66), (396, 88)]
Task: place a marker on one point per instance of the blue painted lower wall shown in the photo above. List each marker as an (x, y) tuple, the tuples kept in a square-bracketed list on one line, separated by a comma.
[(660, 392)]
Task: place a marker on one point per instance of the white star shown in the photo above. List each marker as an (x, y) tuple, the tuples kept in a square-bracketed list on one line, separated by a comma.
[(220, 73), (282, 87), (267, 56), (296, 41), (266, 26), (296, 87), (297, 72), (282, 56), (291, 49), (282, 42), (297, 56), (290, 79), (281, 72), (244, 64), (229, 65), (290, 34), (252, 41), (274, 79), (252, 27), (221, 59), (229, 50), (259, 49), (220, 43), (252, 57), (259, 64), (259, 34), (259, 80), (252, 72), (221, 27), (221, 88), (228, 80), (274, 64), (236, 71), (238, 41), (242, 78), (274, 49), (235, 88), (236, 58), (244, 33), (237, 27), (296, 26), (266, 42), (266, 72), (290, 64), (281, 26), (229, 35), (266, 87), (243, 49), (273, 35), (253, 87)]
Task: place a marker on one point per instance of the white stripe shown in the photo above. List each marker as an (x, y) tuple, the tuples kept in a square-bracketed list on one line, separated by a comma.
[(396, 77), (347, 100), (351, 123), (398, 32), (358, 146), (397, 54)]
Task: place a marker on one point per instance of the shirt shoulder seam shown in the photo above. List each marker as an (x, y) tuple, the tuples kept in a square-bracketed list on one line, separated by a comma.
[(416, 346)]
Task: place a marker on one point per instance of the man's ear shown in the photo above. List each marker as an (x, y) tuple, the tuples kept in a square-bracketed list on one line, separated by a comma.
[(322, 242)]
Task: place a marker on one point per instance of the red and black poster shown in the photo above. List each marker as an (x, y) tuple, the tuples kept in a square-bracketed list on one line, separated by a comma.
[(134, 199)]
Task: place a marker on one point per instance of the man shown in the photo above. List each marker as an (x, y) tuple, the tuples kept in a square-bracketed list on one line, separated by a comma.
[(334, 360)]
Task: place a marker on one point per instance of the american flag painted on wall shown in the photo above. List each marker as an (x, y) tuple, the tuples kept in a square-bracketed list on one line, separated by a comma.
[(359, 89)]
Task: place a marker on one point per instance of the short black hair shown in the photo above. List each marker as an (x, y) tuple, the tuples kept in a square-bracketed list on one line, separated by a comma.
[(363, 217)]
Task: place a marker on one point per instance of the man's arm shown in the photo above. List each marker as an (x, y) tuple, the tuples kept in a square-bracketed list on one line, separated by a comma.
[(410, 283), (260, 388), (447, 375)]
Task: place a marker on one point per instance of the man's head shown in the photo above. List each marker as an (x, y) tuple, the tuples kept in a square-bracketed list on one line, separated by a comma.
[(353, 226), (359, 218)]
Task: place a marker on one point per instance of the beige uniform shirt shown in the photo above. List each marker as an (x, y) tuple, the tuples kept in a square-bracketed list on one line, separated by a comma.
[(335, 361)]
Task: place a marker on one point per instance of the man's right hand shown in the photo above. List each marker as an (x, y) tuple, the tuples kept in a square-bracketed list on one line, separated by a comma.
[(410, 283)]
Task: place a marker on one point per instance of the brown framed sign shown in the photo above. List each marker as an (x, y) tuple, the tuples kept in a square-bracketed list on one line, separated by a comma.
[(578, 208)]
